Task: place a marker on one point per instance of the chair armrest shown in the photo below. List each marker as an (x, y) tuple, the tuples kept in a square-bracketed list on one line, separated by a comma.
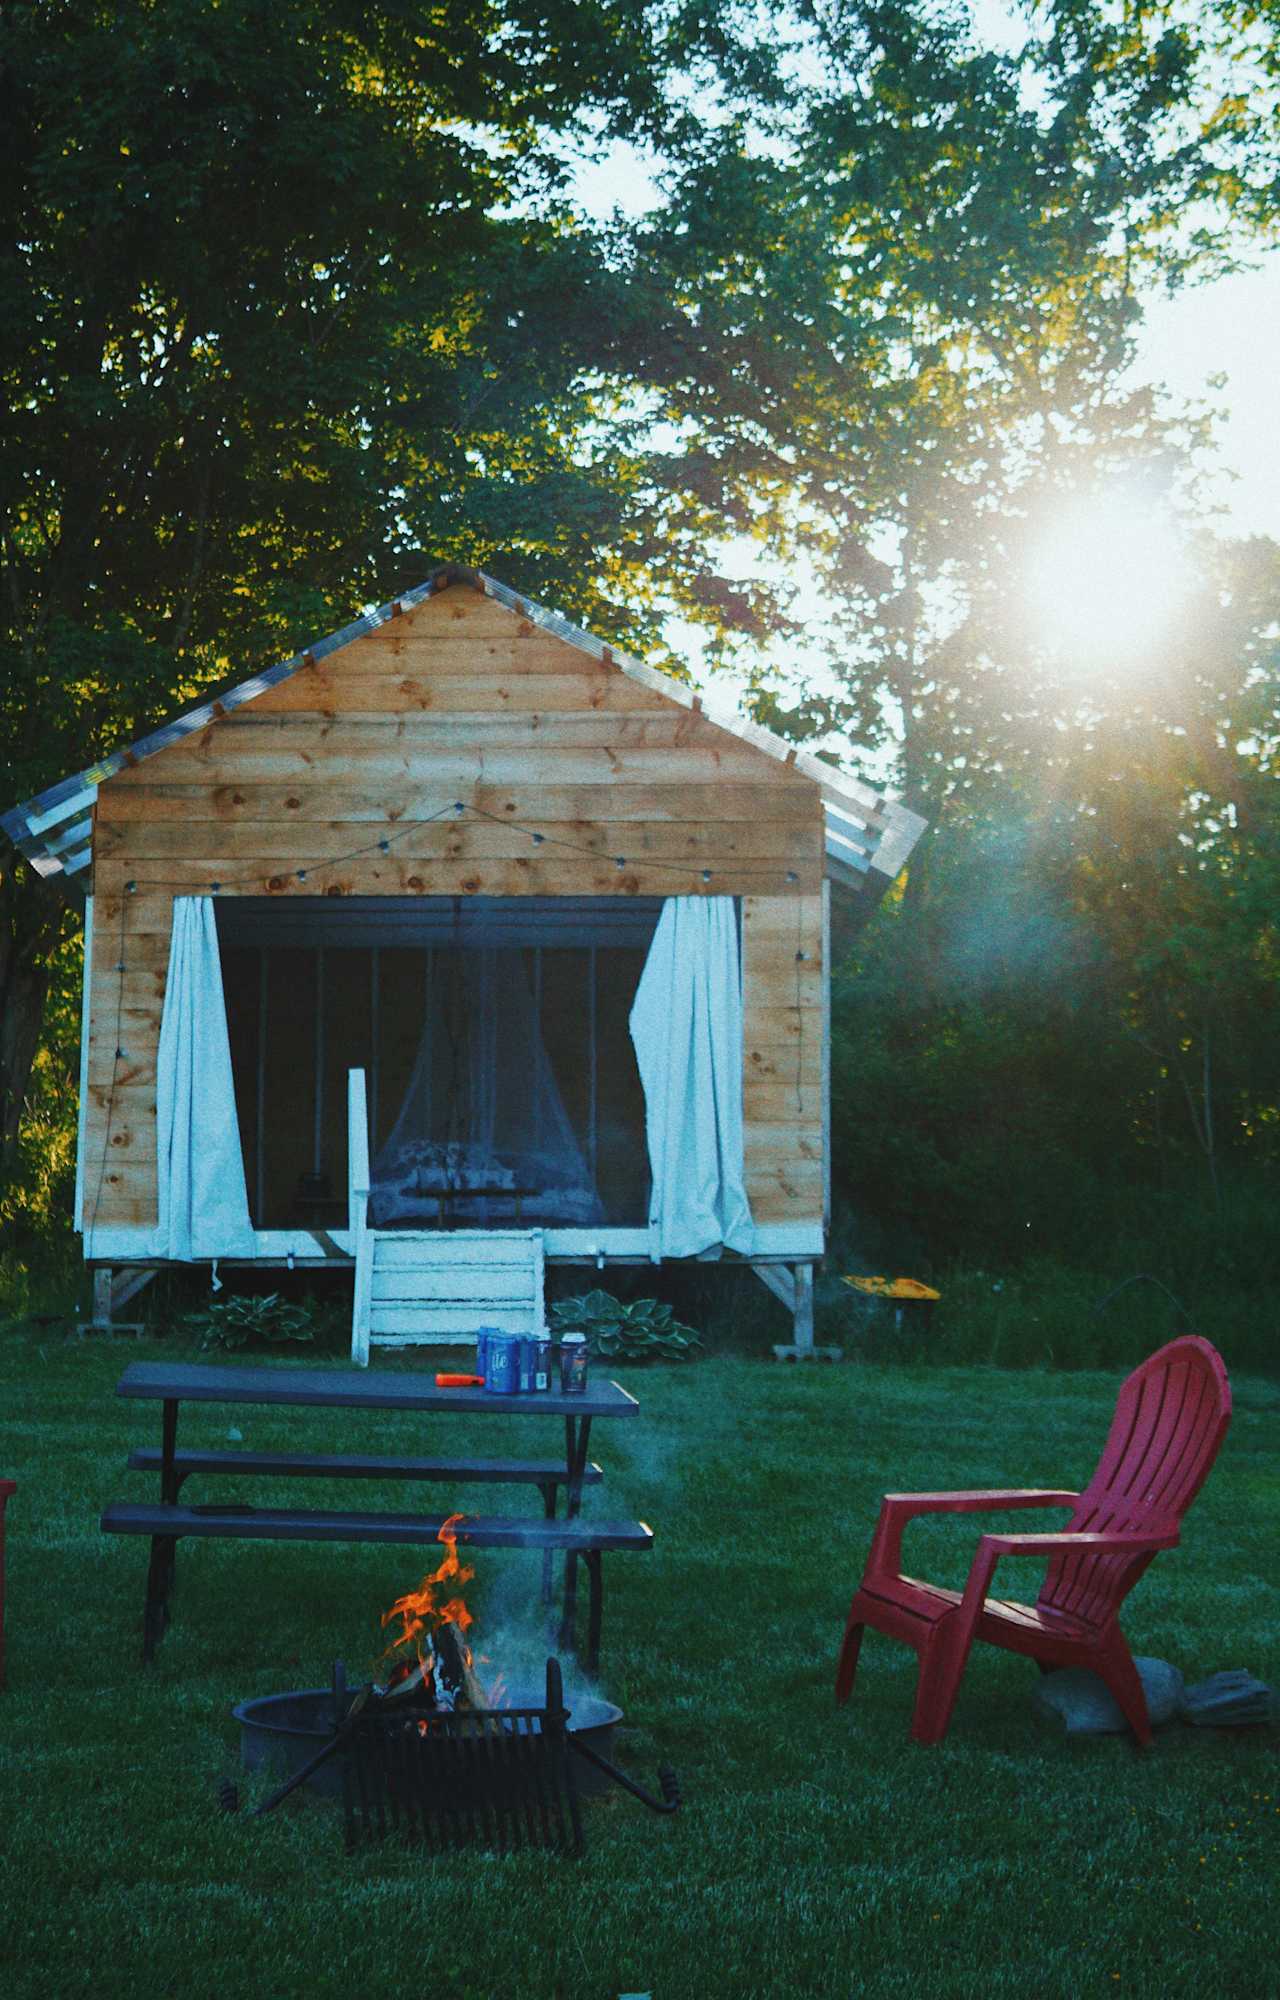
[(992, 1547), (896, 1509), (982, 1499), (1036, 1545)]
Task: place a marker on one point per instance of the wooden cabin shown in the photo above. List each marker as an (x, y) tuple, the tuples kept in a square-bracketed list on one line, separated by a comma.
[(434, 864)]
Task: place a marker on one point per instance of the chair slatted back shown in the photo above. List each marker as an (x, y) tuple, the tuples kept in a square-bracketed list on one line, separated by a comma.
[(1171, 1416)]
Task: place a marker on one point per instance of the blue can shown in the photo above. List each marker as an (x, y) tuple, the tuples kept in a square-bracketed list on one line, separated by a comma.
[(484, 1335), (525, 1347), (501, 1363), (541, 1361)]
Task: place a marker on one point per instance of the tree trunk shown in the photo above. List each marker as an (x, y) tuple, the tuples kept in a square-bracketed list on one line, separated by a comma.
[(33, 922)]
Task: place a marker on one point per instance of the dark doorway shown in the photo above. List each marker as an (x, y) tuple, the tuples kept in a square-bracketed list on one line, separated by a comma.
[(494, 1037)]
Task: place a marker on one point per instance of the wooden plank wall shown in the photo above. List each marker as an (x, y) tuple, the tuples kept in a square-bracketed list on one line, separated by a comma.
[(464, 700)]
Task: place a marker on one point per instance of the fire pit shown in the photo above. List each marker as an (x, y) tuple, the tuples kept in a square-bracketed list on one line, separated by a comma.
[(279, 1733), (434, 1753), (442, 1777)]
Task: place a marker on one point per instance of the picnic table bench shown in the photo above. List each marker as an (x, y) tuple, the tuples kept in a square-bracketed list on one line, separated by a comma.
[(166, 1521)]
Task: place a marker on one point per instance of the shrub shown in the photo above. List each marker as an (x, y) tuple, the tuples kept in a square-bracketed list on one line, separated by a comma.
[(643, 1330), (250, 1320)]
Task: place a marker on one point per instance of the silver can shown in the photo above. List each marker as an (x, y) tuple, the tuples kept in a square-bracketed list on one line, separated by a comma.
[(526, 1346), (541, 1361)]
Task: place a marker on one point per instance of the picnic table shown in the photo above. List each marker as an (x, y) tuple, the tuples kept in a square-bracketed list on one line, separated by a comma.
[(167, 1520)]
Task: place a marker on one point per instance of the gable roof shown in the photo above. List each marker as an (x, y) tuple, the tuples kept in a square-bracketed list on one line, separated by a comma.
[(868, 836)]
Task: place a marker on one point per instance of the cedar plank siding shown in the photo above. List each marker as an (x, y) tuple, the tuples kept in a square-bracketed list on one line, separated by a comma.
[(462, 699)]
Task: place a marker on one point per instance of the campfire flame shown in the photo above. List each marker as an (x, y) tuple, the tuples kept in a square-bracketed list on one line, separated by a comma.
[(437, 1601)]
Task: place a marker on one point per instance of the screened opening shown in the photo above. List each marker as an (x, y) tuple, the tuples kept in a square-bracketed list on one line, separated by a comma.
[(502, 1083)]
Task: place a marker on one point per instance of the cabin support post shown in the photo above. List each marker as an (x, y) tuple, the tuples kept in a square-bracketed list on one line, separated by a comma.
[(102, 1298), (111, 1290), (793, 1286)]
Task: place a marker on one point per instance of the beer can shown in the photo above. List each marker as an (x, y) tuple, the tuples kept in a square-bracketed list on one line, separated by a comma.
[(501, 1363), (573, 1364), (541, 1361), (525, 1345), (482, 1345)]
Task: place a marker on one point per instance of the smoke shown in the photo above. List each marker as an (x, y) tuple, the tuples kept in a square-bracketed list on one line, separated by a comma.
[(1003, 921)]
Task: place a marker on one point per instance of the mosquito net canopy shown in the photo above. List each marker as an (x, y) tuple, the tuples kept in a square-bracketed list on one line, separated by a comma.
[(482, 1121)]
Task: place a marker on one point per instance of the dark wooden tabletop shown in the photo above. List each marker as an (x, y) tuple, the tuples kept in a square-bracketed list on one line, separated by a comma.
[(357, 1389)]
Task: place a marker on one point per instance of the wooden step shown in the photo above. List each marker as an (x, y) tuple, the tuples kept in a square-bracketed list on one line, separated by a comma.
[(496, 1249), (422, 1288), (448, 1283)]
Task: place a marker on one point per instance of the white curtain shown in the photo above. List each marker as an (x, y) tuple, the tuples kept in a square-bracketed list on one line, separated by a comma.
[(686, 1025), (203, 1206)]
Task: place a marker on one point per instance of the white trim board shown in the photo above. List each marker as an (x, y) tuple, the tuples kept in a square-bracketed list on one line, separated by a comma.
[(124, 1245), (86, 992)]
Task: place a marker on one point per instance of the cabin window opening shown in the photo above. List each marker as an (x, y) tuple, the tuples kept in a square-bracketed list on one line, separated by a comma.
[(494, 1035)]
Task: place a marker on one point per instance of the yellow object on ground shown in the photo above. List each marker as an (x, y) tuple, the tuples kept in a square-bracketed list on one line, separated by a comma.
[(893, 1288)]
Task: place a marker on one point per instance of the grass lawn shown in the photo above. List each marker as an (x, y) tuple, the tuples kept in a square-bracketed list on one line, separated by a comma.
[(819, 1853)]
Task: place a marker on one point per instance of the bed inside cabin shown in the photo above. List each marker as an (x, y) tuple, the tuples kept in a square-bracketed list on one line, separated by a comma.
[(493, 1032)]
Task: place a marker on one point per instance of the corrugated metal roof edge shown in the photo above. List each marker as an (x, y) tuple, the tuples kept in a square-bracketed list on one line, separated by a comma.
[(898, 828)]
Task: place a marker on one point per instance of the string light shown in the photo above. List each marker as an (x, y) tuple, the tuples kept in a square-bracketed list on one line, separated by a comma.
[(458, 807)]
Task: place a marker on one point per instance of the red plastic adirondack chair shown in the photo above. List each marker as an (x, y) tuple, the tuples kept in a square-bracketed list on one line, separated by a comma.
[(1171, 1416)]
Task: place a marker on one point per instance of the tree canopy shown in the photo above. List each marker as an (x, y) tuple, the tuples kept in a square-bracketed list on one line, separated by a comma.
[(296, 301)]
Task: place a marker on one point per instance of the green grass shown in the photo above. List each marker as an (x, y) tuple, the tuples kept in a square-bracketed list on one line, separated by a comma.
[(819, 1853)]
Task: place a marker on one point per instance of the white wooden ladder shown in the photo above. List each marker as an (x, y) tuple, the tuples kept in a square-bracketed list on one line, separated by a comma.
[(432, 1287)]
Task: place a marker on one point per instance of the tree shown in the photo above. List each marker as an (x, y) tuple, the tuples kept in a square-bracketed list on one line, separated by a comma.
[(292, 300), (918, 308)]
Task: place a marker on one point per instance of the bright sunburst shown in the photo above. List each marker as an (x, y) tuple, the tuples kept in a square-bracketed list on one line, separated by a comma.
[(1107, 580)]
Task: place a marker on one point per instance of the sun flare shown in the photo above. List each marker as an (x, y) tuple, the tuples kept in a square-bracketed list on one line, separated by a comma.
[(1107, 580)]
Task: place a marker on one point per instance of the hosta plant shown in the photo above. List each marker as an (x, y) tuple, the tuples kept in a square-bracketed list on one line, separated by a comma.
[(249, 1319), (644, 1330)]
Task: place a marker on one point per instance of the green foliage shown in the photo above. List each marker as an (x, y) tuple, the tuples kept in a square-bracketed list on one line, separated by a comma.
[(293, 304), (640, 1330), (248, 1319), (36, 1199)]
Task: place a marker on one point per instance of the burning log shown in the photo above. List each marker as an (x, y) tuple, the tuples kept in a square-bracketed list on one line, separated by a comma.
[(434, 1620), (456, 1682), (444, 1675)]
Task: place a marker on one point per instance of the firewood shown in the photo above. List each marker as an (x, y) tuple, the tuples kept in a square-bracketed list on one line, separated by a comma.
[(456, 1681)]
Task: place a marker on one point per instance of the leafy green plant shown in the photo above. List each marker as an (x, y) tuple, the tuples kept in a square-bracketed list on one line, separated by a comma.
[(643, 1330), (250, 1320)]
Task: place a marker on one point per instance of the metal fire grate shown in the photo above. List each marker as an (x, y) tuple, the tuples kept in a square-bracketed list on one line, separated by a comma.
[(498, 1778), (501, 1778)]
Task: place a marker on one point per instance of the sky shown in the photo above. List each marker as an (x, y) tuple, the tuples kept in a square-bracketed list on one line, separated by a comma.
[(1228, 327)]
